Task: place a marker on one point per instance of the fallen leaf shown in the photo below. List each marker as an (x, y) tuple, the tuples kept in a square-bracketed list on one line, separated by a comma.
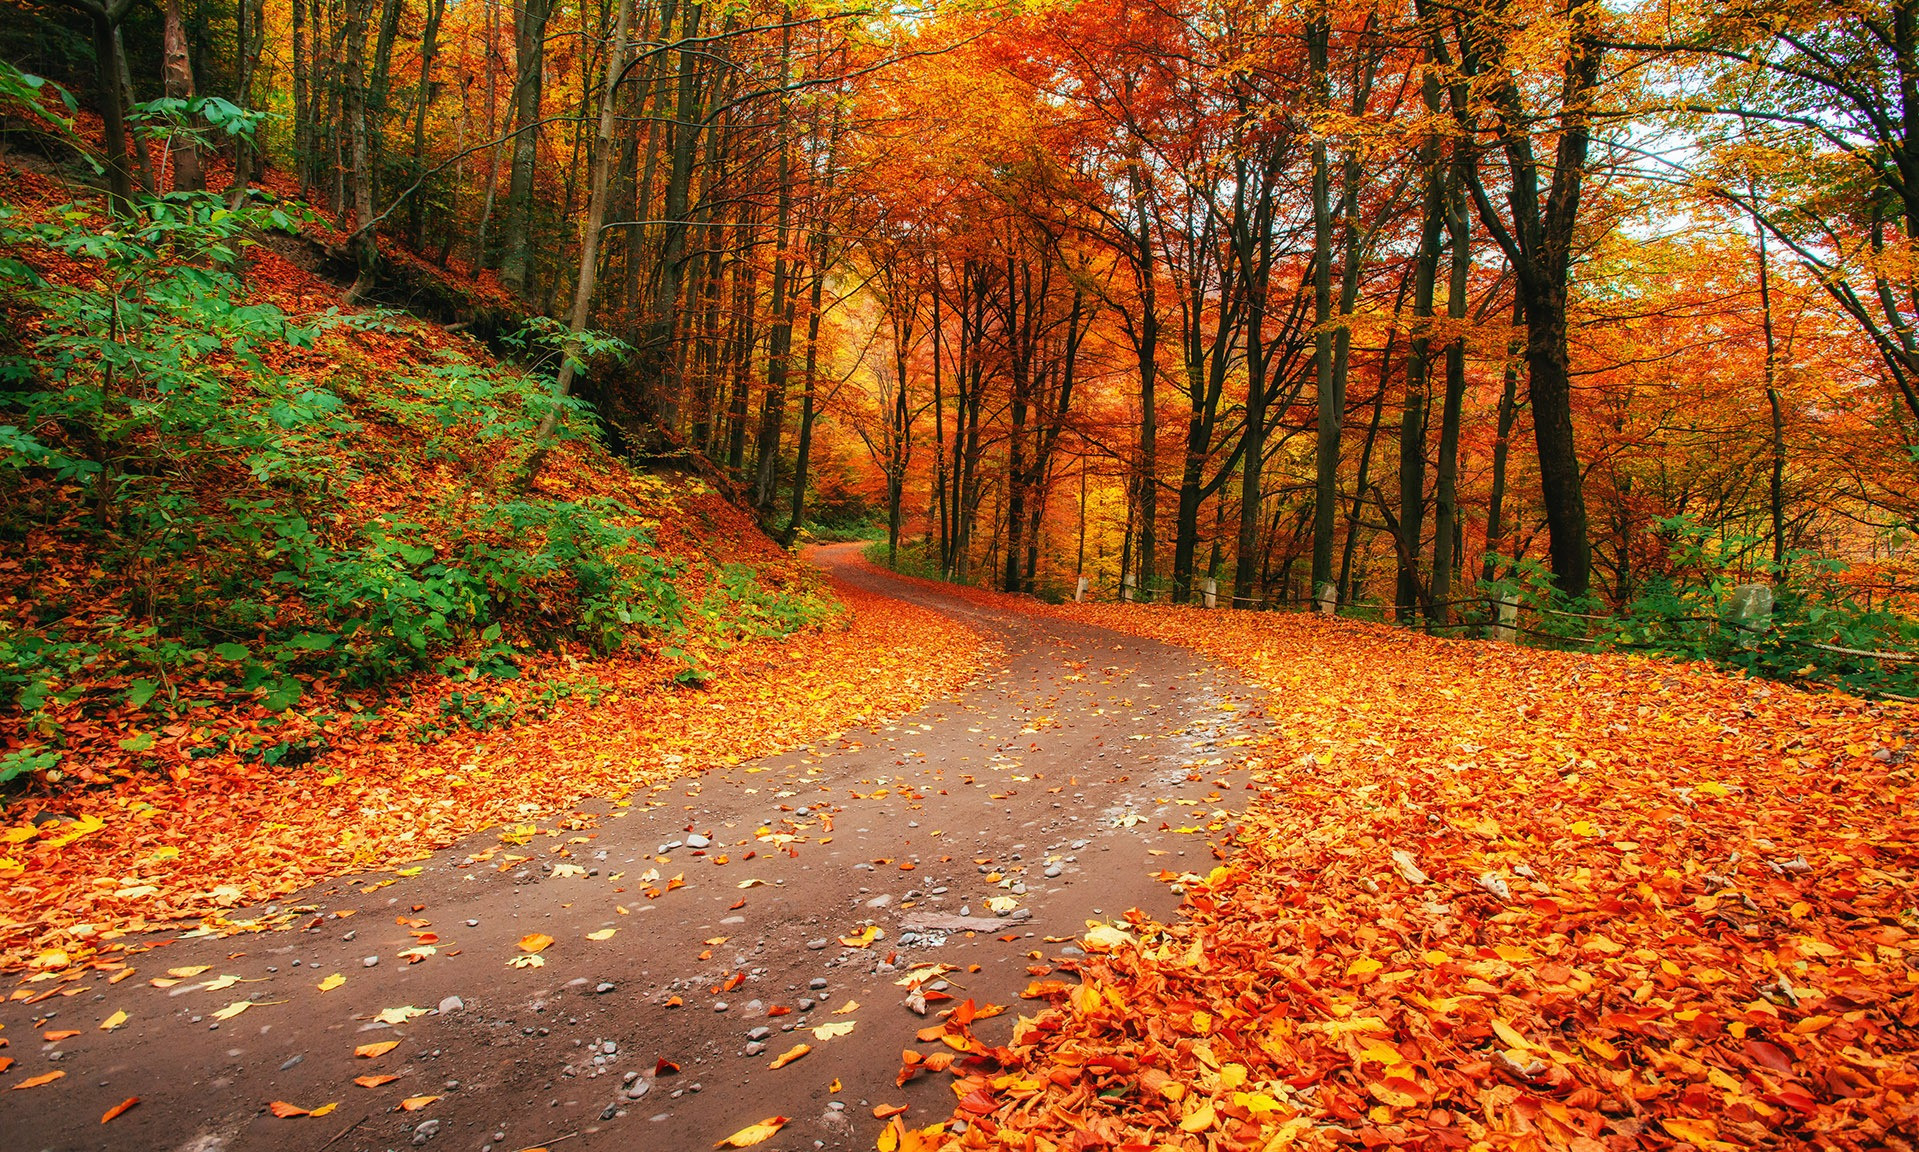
[(119, 1108), (602, 934), (791, 1054), (753, 1133), (535, 941), (399, 1015), (415, 1103), (113, 1021), (286, 1111), (378, 1048), (36, 1081), (376, 1080), (332, 982), (837, 1028)]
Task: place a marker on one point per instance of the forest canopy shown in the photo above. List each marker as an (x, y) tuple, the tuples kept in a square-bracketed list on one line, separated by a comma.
[(1596, 308)]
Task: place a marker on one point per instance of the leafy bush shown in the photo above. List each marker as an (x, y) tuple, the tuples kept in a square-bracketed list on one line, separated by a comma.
[(1687, 611), (150, 430)]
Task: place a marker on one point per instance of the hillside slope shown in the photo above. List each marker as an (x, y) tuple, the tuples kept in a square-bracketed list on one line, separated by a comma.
[(276, 602)]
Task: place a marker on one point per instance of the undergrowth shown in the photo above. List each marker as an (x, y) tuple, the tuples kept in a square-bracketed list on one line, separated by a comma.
[(218, 515)]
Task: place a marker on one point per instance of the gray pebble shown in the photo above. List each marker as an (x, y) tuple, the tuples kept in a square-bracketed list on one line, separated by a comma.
[(370, 962)]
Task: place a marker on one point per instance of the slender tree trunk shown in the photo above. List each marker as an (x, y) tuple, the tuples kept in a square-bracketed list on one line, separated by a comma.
[(529, 47), (364, 242), (1502, 448), (780, 336), (429, 47), (1446, 497), (1331, 403), (189, 175), (1776, 480), (589, 273)]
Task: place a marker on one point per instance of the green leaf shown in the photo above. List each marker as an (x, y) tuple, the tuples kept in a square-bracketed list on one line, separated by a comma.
[(139, 743), (138, 694), (282, 695), (314, 641), (233, 652)]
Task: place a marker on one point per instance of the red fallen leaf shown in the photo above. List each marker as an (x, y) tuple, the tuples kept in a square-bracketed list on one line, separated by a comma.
[(737, 904), (119, 1108), (665, 1068), (733, 981), (1770, 1056), (979, 1102), (778, 1010)]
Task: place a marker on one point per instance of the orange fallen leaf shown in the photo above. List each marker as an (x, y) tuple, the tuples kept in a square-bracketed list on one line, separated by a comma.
[(791, 1054), (415, 1103), (534, 941), (376, 1080), (37, 1081), (378, 1048), (286, 1111), (887, 1111), (63, 1034), (119, 1108)]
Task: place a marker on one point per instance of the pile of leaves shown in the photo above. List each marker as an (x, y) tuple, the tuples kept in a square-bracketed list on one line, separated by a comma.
[(1498, 897)]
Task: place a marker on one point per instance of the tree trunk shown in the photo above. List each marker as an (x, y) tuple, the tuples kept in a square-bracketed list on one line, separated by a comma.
[(189, 174), (363, 242), (589, 273), (1446, 493), (1331, 403), (529, 47), (429, 48)]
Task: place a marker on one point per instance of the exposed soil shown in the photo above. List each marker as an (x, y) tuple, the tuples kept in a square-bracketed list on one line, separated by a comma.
[(1068, 769)]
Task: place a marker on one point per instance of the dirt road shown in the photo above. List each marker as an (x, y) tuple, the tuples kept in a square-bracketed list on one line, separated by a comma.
[(1080, 765)]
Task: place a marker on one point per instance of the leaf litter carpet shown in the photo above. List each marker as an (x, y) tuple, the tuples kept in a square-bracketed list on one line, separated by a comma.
[(1492, 897)]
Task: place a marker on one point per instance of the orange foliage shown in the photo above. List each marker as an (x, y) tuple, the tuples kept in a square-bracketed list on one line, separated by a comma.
[(1524, 898)]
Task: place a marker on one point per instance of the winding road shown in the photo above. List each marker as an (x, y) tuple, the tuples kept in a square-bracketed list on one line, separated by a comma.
[(1081, 764)]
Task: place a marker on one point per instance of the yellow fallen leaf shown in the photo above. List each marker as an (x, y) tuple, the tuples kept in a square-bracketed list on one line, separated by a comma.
[(189, 973), (534, 941), (749, 883), (324, 1109), (113, 1021), (791, 1054), (233, 1009), (526, 960), (837, 1028), (865, 936), (1199, 1119), (399, 1015), (602, 934), (849, 1006), (753, 1133), (332, 982)]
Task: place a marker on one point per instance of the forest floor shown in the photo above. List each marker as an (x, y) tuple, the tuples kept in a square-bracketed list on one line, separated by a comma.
[(1472, 895)]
